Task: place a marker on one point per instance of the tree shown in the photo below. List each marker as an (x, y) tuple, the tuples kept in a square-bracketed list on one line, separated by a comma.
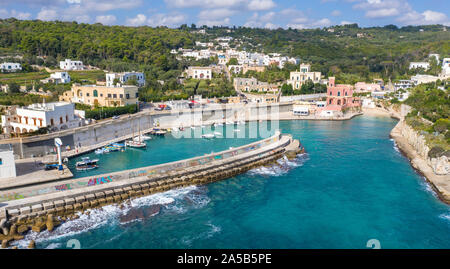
[(14, 87)]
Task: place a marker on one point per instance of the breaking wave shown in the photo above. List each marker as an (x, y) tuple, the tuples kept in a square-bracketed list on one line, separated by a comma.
[(395, 145), (283, 166), (138, 209)]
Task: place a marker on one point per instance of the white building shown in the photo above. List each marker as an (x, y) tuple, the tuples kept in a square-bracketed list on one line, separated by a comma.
[(10, 67), (419, 79), (58, 78), (446, 66), (414, 65), (403, 85), (124, 77), (198, 72), (57, 116), (71, 65), (297, 78), (7, 163)]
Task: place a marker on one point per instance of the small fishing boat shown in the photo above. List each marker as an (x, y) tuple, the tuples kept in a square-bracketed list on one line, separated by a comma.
[(102, 151), (135, 144), (158, 132), (142, 138), (86, 164), (208, 136)]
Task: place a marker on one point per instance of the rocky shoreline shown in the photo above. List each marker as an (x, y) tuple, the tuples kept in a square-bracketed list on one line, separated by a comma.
[(413, 146), (440, 183)]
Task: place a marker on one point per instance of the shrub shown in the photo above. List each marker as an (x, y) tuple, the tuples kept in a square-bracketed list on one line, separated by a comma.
[(436, 152), (442, 125)]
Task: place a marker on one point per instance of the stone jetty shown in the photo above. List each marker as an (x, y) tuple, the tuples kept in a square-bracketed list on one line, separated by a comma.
[(45, 212)]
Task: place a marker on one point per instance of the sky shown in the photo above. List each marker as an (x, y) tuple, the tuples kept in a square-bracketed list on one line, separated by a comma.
[(299, 14)]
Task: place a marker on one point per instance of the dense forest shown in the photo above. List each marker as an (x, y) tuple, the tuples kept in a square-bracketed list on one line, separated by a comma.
[(348, 52)]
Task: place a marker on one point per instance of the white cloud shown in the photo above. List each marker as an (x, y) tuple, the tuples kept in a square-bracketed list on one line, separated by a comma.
[(14, 14), (320, 23), (383, 12), (218, 13), (402, 11), (253, 5), (47, 14), (170, 20), (139, 20), (271, 26), (426, 17), (336, 13), (223, 22), (160, 19), (261, 5), (106, 19), (346, 22)]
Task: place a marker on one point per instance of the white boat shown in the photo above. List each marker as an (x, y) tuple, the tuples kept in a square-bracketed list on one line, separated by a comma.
[(229, 122), (142, 138), (208, 136), (193, 127), (218, 124), (217, 133), (86, 164), (101, 151), (237, 130), (135, 144)]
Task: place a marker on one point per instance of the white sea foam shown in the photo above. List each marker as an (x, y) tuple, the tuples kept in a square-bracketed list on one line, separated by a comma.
[(111, 214), (445, 216), (283, 166), (210, 232), (395, 146)]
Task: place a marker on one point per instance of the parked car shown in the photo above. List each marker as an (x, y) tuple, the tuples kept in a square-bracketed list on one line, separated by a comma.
[(115, 117)]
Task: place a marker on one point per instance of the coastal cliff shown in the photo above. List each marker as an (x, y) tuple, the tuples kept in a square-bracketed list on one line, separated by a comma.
[(435, 170)]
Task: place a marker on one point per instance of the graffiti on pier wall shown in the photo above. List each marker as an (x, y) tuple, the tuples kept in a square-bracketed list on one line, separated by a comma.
[(63, 187), (99, 181), (10, 197)]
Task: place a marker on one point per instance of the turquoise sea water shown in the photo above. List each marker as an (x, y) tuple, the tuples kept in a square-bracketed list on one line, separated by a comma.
[(352, 186)]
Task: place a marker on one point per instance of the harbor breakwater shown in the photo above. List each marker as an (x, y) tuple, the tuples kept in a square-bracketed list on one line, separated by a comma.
[(435, 170), (46, 211)]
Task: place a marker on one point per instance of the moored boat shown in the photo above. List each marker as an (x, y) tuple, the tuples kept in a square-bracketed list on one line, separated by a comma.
[(135, 144), (208, 136), (86, 164)]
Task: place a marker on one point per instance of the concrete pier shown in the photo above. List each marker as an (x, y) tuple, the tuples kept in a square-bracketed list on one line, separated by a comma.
[(121, 186)]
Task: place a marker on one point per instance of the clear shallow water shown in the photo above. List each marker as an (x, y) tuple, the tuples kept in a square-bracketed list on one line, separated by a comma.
[(352, 186)]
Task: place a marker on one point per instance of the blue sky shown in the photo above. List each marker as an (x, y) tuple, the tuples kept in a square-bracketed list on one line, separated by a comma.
[(252, 13)]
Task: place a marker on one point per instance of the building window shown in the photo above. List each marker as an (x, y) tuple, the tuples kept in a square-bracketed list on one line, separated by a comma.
[(61, 120), (95, 93), (121, 96), (137, 95), (1, 161), (87, 94), (52, 122), (67, 118), (114, 95), (109, 95), (127, 96)]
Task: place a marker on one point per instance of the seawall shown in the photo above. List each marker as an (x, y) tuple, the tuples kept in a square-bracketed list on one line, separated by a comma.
[(435, 170), (33, 212)]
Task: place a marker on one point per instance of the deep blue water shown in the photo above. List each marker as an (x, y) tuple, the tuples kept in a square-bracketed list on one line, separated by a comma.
[(352, 186)]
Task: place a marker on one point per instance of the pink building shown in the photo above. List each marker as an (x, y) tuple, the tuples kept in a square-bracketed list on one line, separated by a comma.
[(340, 96), (366, 87)]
